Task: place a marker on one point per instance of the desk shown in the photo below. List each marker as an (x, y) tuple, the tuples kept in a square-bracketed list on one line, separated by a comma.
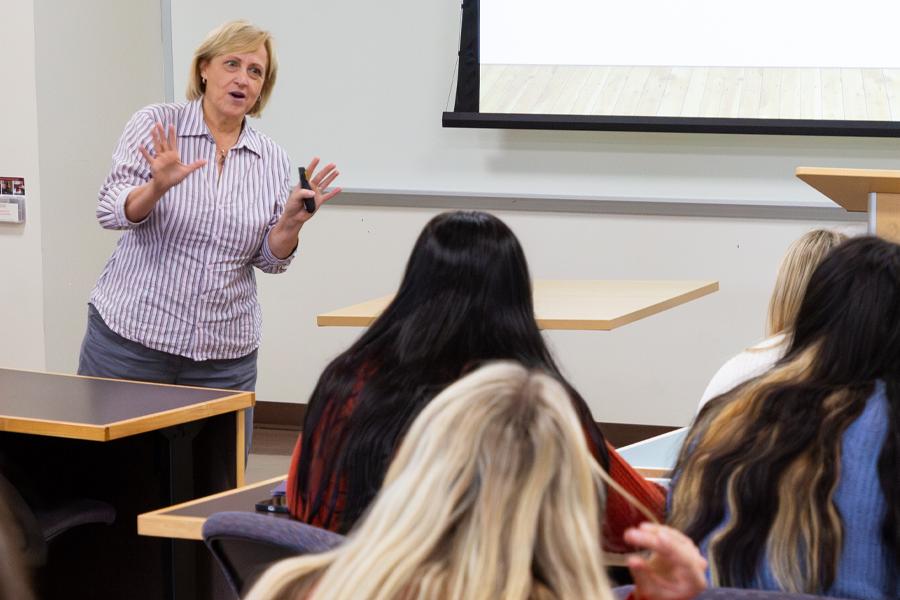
[(568, 304), (185, 521), (875, 191), (135, 445), (655, 457)]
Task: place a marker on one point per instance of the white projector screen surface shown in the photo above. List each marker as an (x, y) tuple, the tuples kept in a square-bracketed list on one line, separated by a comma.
[(692, 33), (773, 61)]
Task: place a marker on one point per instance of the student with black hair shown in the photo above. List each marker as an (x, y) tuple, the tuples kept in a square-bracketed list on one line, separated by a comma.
[(465, 299)]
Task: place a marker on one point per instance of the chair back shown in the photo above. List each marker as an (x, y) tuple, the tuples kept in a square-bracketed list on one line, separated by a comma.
[(246, 544), (25, 528), (34, 528), (725, 593)]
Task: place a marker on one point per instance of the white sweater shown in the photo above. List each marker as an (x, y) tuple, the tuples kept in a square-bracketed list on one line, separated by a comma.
[(750, 363)]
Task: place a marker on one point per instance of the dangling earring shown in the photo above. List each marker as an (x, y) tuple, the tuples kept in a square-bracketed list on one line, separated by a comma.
[(203, 80)]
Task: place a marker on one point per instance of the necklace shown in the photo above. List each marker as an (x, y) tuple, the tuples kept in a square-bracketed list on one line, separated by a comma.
[(220, 156)]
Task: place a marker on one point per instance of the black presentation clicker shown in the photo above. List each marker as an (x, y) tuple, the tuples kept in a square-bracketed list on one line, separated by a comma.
[(308, 203)]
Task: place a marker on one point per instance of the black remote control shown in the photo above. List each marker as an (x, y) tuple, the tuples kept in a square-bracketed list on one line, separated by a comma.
[(308, 203)]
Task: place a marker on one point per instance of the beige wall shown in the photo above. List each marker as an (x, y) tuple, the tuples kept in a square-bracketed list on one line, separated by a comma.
[(651, 372), (21, 295), (90, 79)]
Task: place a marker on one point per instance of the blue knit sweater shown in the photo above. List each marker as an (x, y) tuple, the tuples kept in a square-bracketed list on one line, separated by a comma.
[(867, 569)]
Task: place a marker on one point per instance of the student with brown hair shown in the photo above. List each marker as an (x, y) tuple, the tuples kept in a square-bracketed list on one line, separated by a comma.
[(790, 480)]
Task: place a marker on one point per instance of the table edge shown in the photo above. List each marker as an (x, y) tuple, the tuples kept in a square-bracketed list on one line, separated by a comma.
[(159, 420), (707, 287), (158, 523), (105, 432)]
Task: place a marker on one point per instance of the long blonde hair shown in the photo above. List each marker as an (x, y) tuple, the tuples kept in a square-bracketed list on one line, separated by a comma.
[(797, 266), (492, 494)]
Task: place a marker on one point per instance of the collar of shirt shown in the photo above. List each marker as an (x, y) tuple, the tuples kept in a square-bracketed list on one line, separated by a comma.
[(191, 123)]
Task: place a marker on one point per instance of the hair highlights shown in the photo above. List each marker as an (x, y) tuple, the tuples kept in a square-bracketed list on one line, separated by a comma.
[(764, 460)]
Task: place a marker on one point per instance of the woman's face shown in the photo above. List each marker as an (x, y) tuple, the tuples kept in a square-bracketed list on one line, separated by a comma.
[(234, 81)]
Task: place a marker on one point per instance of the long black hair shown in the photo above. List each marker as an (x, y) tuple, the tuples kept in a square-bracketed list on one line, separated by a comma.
[(465, 298), (770, 450)]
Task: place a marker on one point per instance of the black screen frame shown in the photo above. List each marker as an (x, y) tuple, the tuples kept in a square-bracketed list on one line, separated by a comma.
[(466, 114)]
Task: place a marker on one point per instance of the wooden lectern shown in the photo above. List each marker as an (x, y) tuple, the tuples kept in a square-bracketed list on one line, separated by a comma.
[(862, 190)]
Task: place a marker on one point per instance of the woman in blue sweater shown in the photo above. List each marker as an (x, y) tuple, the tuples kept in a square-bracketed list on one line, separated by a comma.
[(790, 481)]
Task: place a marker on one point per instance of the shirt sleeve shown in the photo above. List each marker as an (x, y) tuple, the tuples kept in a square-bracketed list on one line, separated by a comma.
[(129, 170), (264, 260), (620, 514)]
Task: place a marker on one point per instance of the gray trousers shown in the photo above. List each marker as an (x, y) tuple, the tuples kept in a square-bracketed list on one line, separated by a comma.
[(104, 353)]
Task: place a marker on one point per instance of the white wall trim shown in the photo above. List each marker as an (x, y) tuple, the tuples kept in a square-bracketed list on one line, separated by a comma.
[(596, 205)]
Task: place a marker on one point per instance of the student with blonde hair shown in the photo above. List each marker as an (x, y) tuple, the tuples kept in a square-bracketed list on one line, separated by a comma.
[(493, 493), (789, 481), (798, 264)]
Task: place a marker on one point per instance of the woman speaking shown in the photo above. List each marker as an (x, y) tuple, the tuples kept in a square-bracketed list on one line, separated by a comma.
[(203, 198)]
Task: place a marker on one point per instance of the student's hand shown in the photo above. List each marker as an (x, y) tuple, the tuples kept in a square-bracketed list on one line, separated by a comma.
[(674, 569)]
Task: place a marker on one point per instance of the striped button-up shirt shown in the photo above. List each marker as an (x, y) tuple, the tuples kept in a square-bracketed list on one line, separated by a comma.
[(182, 280)]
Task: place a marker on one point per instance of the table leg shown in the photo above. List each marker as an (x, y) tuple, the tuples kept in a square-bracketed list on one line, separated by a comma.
[(181, 558), (240, 447), (887, 216)]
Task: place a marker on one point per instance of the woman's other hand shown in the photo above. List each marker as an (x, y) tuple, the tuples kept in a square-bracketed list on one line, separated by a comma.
[(674, 568), (283, 236), (294, 211)]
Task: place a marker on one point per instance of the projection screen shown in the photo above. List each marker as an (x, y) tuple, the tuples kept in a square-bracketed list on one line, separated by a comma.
[(788, 67)]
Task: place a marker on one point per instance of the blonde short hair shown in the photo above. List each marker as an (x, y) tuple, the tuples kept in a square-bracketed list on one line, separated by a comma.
[(234, 36), (797, 266)]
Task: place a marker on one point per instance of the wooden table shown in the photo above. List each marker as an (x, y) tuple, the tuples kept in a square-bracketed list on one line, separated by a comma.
[(185, 521), (872, 191), (98, 409), (135, 445), (568, 304)]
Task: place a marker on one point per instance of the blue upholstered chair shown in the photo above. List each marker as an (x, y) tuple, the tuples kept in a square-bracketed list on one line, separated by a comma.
[(37, 527), (733, 594), (245, 544)]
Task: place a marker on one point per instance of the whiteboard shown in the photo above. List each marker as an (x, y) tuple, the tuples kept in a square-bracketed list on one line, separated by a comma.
[(364, 84)]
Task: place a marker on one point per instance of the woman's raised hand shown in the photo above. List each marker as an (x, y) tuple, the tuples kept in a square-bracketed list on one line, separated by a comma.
[(674, 569), (319, 182), (166, 166)]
